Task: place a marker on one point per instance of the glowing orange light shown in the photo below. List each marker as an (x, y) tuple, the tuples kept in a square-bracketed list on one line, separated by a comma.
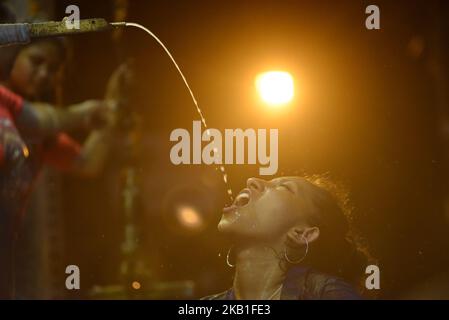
[(25, 151), (276, 88), (189, 216), (136, 285)]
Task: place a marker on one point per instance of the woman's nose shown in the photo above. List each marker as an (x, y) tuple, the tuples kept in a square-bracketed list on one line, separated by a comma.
[(256, 184)]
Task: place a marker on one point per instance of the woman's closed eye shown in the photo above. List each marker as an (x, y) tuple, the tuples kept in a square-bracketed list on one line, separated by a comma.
[(287, 187)]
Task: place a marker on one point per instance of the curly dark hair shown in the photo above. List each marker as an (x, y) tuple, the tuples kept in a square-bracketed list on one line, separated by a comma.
[(340, 250)]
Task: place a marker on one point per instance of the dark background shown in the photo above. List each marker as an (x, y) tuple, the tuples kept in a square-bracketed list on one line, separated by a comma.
[(371, 108)]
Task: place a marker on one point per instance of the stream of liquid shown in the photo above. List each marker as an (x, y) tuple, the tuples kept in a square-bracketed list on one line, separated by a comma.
[(200, 113)]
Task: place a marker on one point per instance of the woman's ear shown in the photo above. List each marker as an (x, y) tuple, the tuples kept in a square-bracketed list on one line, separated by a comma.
[(311, 234), (297, 237)]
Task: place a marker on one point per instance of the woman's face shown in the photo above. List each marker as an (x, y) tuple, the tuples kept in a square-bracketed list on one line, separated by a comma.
[(267, 210), (36, 70)]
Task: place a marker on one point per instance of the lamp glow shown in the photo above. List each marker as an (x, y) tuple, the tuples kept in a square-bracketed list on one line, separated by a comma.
[(189, 216), (276, 88)]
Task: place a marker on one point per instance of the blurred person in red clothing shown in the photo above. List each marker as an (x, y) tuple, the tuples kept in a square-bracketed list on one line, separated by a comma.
[(32, 134)]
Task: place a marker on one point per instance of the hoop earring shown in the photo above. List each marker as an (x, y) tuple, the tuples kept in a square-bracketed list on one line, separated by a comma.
[(227, 258), (302, 258)]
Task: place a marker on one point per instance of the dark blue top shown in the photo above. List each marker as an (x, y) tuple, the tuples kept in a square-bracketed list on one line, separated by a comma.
[(302, 283)]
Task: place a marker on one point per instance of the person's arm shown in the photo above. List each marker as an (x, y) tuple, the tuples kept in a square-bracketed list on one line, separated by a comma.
[(87, 159), (44, 120), (94, 152), (96, 147)]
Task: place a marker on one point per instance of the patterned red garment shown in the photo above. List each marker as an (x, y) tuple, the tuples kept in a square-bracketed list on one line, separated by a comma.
[(21, 159)]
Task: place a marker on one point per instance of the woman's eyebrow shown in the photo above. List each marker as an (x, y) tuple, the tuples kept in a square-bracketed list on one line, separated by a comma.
[(298, 186), (281, 179), (284, 180)]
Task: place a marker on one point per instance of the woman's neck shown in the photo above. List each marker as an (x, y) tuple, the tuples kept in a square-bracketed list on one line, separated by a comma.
[(259, 274)]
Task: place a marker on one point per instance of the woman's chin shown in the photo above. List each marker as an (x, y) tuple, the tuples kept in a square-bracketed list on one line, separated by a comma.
[(224, 225), (227, 223)]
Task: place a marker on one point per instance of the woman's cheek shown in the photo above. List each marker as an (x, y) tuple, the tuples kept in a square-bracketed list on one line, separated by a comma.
[(21, 77)]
